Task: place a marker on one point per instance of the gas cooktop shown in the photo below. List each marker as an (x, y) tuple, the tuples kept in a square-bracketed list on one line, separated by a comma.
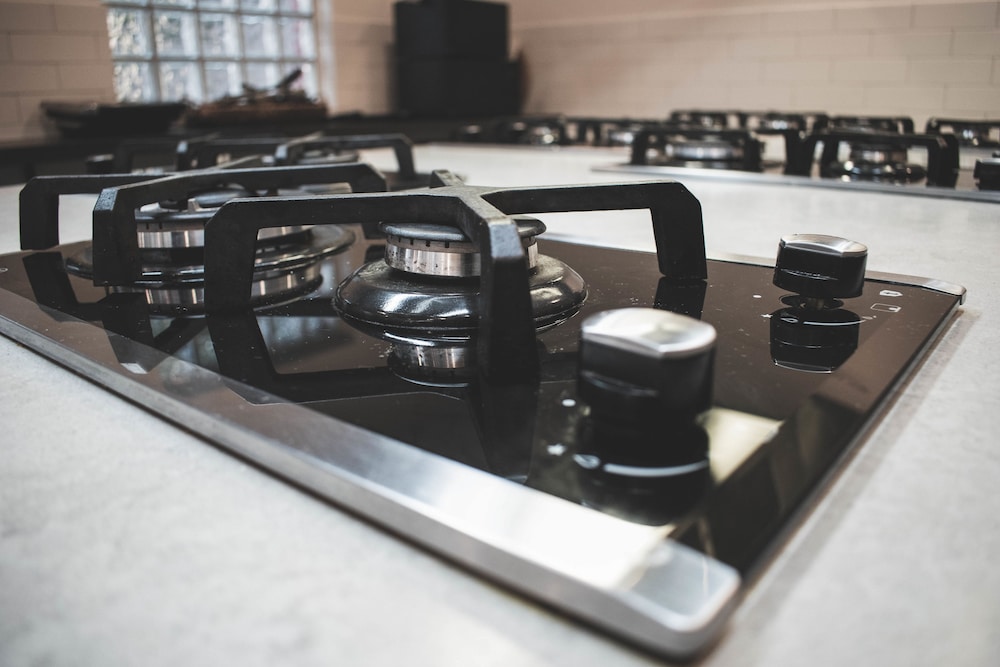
[(626, 436)]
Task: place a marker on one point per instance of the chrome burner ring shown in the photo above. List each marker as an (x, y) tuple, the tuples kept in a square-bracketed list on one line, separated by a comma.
[(443, 251), (703, 150), (877, 154), (161, 228), (892, 172)]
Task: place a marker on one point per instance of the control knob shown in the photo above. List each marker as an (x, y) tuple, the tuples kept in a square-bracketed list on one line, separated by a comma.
[(987, 172), (820, 267), (644, 366)]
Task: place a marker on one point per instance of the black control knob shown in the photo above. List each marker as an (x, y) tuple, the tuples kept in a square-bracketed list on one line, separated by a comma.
[(643, 366), (987, 173), (820, 267)]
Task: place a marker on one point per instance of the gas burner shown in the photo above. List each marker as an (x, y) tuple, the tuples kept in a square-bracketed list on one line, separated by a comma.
[(875, 162), (308, 150), (876, 124), (429, 282), (779, 122), (674, 146), (706, 119), (532, 131), (213, 150), (149, 233), (503, 304), (974, 133), (181, 224), (526, 130), (439, 250), (173, 281), (867, 155), (606, 131)]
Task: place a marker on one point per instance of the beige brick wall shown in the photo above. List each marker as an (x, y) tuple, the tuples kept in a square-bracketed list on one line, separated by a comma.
[(50, 50), (592, 57), (877, 57)]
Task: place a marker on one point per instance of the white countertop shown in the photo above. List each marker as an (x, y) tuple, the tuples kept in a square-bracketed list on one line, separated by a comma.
[(125, 540)]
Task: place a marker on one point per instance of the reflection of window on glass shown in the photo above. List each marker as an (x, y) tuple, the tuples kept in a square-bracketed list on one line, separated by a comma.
[(202, 50)]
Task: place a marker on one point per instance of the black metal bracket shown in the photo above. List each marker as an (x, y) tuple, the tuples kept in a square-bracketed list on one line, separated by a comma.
[(507, 331)]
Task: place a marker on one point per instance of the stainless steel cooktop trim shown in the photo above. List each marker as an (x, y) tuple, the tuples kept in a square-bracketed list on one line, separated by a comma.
[(626, 578)]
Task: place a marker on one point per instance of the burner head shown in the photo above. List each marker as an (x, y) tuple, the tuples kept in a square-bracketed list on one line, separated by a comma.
[(673, 146), (427, 287), (708, 149), (439, 250), (876, 162), (173, 280)]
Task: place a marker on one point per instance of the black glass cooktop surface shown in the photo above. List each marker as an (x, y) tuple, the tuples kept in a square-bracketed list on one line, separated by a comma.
[(789, 399)]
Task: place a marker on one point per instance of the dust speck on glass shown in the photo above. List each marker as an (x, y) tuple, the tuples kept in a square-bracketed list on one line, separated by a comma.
[(201, 50)]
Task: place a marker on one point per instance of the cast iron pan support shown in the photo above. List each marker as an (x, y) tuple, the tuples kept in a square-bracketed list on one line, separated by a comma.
[(116, 242), (942, 152), (39, 202), (506, 344), (39, 205), (292, 151)]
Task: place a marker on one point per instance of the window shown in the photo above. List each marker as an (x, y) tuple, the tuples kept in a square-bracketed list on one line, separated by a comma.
[(201, 50)]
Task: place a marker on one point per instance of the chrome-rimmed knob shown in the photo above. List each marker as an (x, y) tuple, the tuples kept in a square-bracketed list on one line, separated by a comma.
[(645, 365), (818, 266)]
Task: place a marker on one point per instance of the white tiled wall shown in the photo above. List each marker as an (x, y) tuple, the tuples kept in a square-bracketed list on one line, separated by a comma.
[(50, 50), (916, 58)]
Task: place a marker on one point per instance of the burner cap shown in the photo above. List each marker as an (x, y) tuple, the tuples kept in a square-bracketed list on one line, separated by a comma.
[(428, 307)]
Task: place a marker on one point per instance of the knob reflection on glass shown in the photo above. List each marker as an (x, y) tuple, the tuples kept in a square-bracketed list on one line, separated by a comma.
[(817, 266), (644, 366), (621, 475), (817, 341)]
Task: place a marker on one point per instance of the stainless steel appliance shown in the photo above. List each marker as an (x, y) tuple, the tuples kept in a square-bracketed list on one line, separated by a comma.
[(429, 360)]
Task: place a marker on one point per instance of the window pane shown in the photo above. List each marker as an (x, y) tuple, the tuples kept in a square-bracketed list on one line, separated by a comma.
[(222, 79), (217, 4), (175, 34), (128, 32), (257, 5), (262, 75), (219, 36), (297, 38), (299, 6), (180, 80), (134, 82), (260, 36)]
